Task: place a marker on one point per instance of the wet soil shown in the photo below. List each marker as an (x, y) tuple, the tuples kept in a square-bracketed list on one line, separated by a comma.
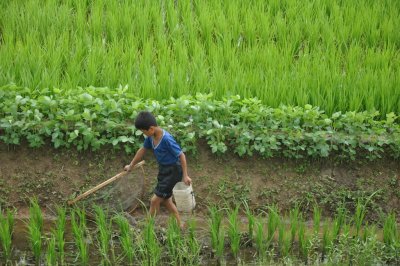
[(56, 175)]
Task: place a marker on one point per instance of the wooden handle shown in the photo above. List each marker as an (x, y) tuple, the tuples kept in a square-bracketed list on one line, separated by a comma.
[(105, 183)]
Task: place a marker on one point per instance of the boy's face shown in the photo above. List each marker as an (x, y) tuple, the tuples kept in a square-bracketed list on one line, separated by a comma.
[(149, 132)]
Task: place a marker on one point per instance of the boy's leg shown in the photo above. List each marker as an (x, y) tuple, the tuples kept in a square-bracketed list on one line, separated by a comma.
[(169, 204), (155, 204)]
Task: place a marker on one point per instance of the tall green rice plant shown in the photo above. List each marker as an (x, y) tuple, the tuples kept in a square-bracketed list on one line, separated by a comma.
[(219, 251), (214, 224), (51, 254), (390, 231), (317, 219), (79, 230), (59, 233), (303, 240), (294, 221), (104, 233), (272, 223), (174, 242), (152, 248), (283, 240), (126, 238), (260, 239), (234, 231), (327, 238), (250, 219), (6, 233), (339, 221), (35, 227), (192, 245)]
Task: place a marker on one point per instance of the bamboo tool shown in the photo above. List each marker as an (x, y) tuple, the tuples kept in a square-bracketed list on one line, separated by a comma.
[(105, 183)]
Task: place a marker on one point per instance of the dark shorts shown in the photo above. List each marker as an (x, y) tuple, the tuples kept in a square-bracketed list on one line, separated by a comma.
[(168, 176)]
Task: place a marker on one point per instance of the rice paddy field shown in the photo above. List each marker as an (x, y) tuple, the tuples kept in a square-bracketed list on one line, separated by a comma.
[(288, 112)]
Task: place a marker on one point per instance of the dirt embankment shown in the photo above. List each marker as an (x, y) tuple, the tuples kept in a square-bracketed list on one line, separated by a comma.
[(53, 176)]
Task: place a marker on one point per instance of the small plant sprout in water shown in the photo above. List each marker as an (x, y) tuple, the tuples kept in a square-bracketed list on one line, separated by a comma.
[(6, 233), (234, 231)]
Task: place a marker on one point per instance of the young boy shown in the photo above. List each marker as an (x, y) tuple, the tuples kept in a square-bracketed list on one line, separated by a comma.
[(172, 167)]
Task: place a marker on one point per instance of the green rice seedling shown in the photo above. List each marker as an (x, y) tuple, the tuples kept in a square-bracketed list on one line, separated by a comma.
[(260, 240), (152, 249), (6, 233), (359, 216), (59, 233), (369, 232), (193, 245), (78, 223), (303, 240), (294, 219), (234, 231), (338, 222), (126, 238), (272, 223), (174, 242), (317, 219), (250, 219), (284, 240), (219, 251), (104, 233), (327, 238), (390, 231), (51, 254), (35, 226), (214, 224)]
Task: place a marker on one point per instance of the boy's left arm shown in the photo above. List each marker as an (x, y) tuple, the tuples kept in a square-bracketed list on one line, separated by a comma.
[(186, 179)]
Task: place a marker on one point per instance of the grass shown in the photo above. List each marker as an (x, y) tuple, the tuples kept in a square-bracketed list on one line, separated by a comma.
[(162, 49)]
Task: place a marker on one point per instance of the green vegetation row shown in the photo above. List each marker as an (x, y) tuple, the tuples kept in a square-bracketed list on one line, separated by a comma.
[(268, 237), (339, 55), (91, 118)]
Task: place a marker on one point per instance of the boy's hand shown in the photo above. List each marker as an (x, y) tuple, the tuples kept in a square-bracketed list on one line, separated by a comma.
[(187, 180), (127, 167)]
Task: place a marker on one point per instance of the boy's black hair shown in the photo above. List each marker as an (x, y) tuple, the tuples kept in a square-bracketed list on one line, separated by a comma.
[(145, 120)]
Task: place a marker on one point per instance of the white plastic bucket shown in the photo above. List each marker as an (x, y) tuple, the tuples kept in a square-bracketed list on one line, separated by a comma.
[(184, 197)]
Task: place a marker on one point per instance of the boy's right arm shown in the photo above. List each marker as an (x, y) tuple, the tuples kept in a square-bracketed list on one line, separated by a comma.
[(138, 157)]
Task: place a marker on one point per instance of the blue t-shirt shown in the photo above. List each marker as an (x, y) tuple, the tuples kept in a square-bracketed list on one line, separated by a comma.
[(167, 151)]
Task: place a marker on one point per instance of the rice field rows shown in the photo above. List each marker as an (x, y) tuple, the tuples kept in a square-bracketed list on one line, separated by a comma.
[(224, 236), (338, 55)]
